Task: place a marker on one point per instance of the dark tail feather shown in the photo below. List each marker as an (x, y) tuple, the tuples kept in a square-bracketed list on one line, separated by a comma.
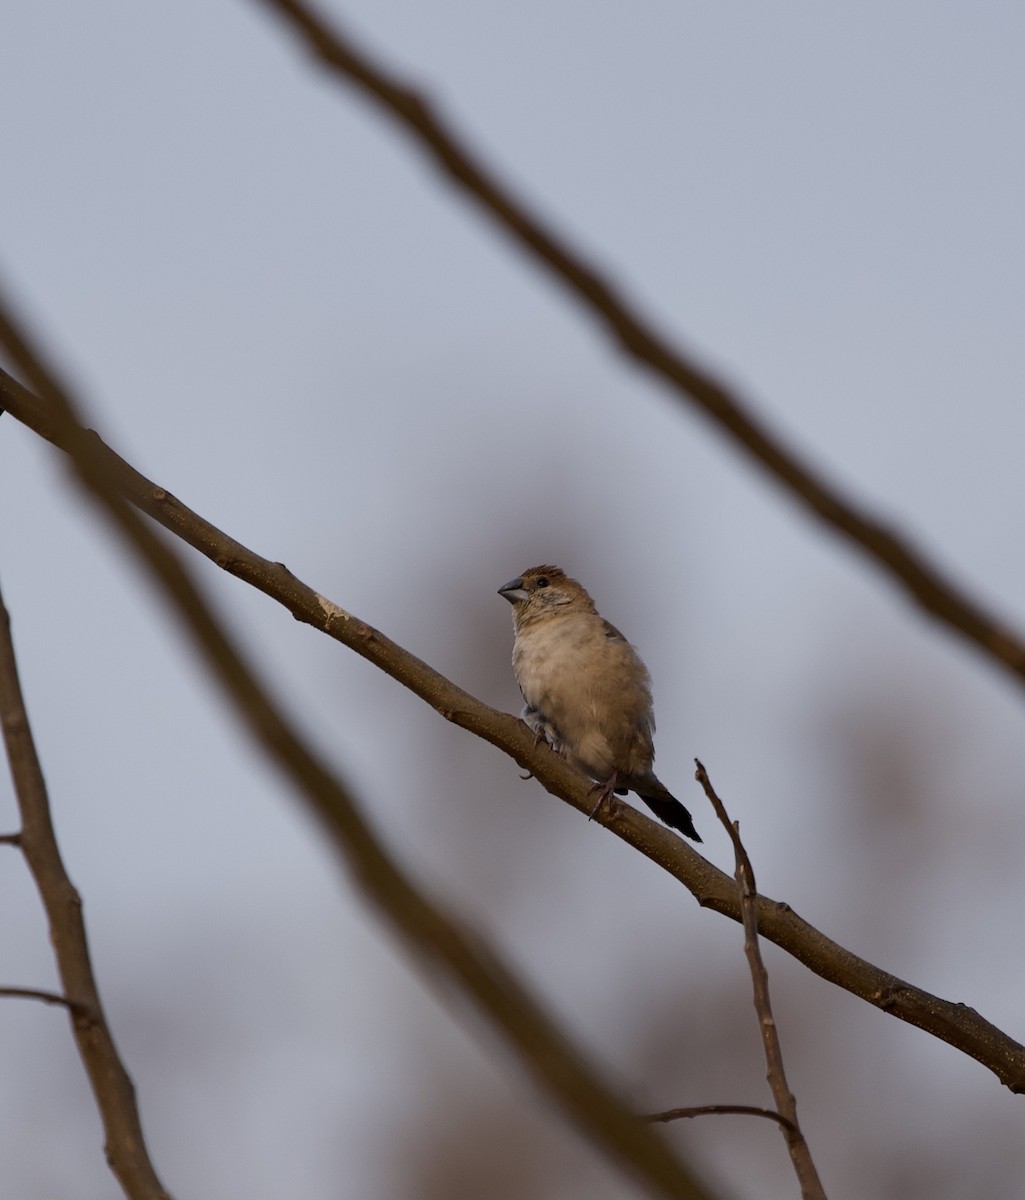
[(672, 813)]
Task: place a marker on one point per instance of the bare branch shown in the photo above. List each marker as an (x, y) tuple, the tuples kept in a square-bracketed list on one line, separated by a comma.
[(709, 1110), (73, 1006), (435, 938), (954, 1023), (911, 569), (800, 1152), (115, 1096)]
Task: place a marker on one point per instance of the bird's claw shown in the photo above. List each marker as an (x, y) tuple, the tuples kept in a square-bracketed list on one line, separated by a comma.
[(606, 793)]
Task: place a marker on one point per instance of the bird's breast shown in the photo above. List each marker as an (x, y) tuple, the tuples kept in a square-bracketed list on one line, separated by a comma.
[(590, 688)]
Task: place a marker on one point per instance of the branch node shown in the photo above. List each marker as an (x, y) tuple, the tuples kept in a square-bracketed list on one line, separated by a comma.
[(332, 612), (887, 998)]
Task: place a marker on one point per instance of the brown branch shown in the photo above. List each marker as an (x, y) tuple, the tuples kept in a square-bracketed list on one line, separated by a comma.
[(709, 1110), (73, 1006), (435, 938), (906, 565), (954, 1023), (115, 1096), (800, 1152)]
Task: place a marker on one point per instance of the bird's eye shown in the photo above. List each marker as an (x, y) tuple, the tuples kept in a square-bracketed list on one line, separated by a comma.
[(542, 581)]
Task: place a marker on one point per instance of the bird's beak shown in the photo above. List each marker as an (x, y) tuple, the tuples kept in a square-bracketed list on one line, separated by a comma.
[(513, 591)]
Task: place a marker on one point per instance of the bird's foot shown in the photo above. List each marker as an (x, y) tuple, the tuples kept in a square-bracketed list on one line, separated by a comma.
[(539, 737), (606, 795)]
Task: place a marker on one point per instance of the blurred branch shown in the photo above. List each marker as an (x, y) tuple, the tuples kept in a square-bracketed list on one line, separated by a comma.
[(956, 1024), (435, 938), (115, 1096), (906, 565), (800, 1152), (709, 1110)]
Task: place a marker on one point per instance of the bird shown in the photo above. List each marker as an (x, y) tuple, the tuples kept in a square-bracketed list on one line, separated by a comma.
[(586, 691)]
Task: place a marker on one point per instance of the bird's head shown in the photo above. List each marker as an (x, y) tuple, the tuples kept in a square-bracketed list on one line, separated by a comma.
[(542, 592)]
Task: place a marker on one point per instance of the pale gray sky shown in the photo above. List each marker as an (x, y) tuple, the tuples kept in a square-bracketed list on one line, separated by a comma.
[(277, 311)]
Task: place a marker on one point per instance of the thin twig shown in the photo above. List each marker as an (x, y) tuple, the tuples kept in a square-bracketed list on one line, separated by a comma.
[(435, 938), (956, 1024), (115, 1096), (800, 1152), (10, 839), (709, 1110), (925, 583), (74, 1006)]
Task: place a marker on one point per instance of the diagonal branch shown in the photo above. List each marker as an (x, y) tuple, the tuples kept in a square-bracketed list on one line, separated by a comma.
[(433, 937), (905, 565), (115, 1096), (956, 1024)]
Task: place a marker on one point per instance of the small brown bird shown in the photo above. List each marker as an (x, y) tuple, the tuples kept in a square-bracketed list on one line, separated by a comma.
[(586, 690)]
